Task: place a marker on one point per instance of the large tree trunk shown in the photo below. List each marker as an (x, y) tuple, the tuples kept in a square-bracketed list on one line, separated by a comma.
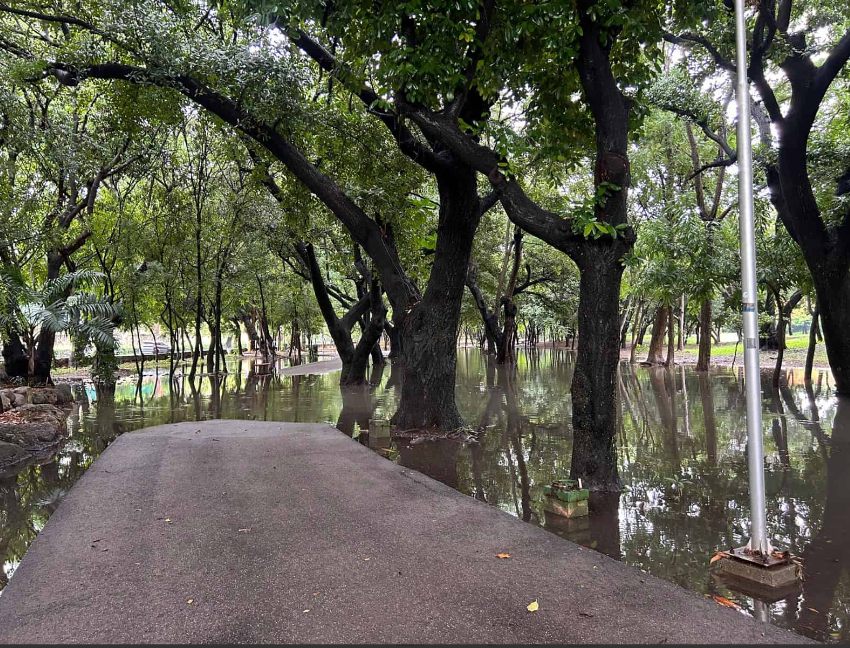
[(251, 329), (656, 342), (705, 322), (594, 385), (833, 298), (429, 330), (15, 356), (46, 337)]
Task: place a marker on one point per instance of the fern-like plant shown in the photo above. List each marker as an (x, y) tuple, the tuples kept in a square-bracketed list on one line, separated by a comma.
[(66, 304)]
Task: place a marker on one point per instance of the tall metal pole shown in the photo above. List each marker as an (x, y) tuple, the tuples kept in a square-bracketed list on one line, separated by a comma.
[(758, 539)]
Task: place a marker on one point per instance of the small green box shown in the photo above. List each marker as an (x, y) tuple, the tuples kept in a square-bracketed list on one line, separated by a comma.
[(566, 490)]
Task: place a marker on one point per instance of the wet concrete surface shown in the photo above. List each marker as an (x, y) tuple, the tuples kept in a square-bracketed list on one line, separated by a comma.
[(293, 533)]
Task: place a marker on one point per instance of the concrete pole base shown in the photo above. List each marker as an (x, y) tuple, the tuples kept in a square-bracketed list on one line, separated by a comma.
[(775, 573)]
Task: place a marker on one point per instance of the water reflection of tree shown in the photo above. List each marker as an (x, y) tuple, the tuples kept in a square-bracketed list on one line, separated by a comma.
[(26, 501), (686, 478), (825, 558)]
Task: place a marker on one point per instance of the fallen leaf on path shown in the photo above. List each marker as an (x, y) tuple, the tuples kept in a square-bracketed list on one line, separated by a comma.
[(586, 615), (168, 520), (190, 601), (244, 530), (813, 610), (306, 611), (725, 601), (366, 559), (532, 607), (503, 555)]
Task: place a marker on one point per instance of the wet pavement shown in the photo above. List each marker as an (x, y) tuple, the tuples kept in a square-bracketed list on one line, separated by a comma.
[(247, 532)]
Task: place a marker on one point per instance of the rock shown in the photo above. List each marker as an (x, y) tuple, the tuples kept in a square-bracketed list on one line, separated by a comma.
[(45, 395), (7, 398), (63, 391), (43, 413), (11, 453), (18, 399), (4, 377), (34, 440)]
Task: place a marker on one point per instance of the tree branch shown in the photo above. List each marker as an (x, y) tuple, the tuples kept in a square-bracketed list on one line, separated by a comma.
[(689, 37), (407, 143)]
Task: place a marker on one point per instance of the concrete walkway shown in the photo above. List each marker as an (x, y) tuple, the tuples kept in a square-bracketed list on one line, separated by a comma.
[(323, 367), (293, 533)]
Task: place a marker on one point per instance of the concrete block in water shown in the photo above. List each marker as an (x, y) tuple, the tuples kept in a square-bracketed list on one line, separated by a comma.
[(774, 576), (566, 490), (379, 428), (564, 497), (565, 509)]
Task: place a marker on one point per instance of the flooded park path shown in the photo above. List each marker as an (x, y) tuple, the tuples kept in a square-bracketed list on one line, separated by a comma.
[(682, 449)]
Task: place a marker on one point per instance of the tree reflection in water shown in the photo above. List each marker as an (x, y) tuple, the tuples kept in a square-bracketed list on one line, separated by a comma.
[(682, 449)]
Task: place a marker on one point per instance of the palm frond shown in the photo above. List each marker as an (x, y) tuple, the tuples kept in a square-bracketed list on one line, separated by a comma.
[(69, 282), (100, 330), (53, 317)]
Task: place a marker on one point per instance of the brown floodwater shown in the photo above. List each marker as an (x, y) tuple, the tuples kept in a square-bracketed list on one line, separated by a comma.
[(682, 453)]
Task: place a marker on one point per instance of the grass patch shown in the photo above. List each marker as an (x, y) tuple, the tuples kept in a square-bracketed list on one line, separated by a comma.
[(800, 341)]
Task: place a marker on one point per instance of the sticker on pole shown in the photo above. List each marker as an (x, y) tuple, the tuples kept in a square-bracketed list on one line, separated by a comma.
[(749, 307), (752, 343)]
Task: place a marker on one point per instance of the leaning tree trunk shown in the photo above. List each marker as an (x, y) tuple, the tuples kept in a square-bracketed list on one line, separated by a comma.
[(813, 342), (594, 385), (490, 317), (784, 311), (635, 325), (394, 334), (705, 321), (656, 342), (429, 330)]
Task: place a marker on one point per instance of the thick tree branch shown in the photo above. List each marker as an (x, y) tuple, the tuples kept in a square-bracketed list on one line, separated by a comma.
[(831, 67), (488, 202), (65, 20), (689, 37), (407, 143)]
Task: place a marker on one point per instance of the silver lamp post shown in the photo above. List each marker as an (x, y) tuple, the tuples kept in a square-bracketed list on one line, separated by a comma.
[(758, 538)]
